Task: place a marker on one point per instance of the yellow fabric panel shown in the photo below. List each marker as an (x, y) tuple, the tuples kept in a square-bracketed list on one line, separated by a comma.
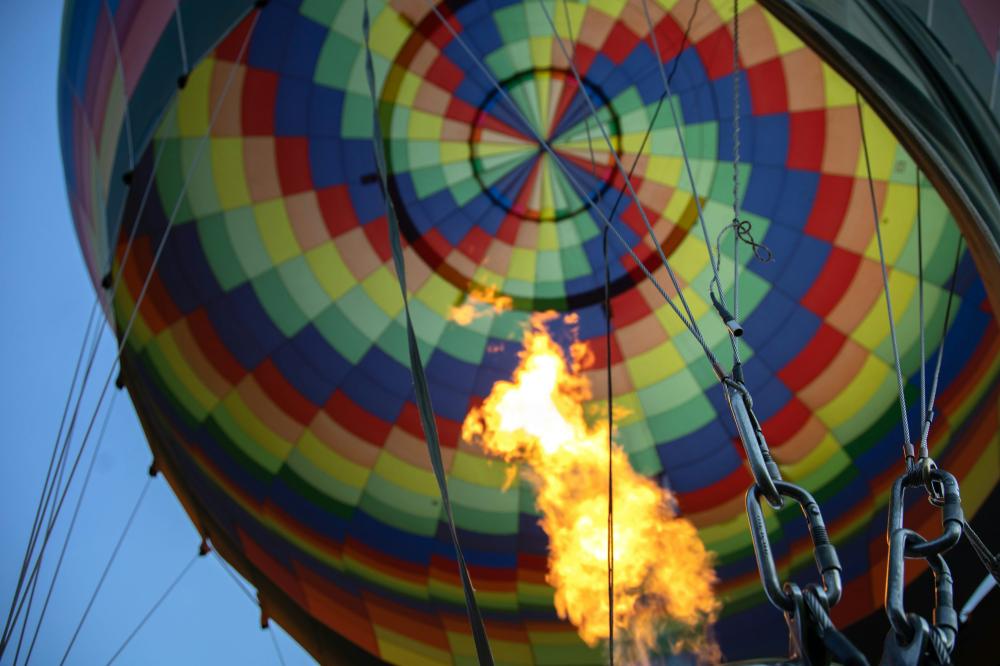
[(330, 270), (383, 288), (184, 373), (874, 328), (896, 221), (860, 390), (228, 172), (193, 107), (404, 475), (276, 230)]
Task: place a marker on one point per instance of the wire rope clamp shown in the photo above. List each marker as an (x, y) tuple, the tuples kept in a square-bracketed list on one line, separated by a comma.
[(907, 626), (734, 326), (824, 552), (762, 466), (952, 516)]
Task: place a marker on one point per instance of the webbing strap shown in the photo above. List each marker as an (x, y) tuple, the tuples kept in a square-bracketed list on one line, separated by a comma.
[(416, 365)]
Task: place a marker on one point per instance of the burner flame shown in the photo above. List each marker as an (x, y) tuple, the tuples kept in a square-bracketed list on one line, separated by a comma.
[(662, 573)]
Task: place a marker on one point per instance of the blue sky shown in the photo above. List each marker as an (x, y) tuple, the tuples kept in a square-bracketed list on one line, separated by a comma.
[(46, 298)]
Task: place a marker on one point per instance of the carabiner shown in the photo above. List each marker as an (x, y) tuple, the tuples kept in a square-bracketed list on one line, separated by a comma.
[(827, 562), (952, 516), (765, 471), (945, 617)]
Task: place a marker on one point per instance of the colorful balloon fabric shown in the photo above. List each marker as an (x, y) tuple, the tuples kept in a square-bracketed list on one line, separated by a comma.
[(268, 358)]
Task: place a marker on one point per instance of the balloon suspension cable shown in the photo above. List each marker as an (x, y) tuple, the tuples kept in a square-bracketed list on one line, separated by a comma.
[(618, 163), (420, 385), (929, 415), (608, 315), (49, 484), (571, 179), (182, 45), (123, 338), (107, 568), (733, 335), (277, 648), (923, 336), (908, 452), (53, 485), (69, 533), (621, 170), (120, 71), (156, 605), (610, 388)]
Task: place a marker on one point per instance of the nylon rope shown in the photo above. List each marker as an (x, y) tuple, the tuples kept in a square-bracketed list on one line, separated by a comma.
[(690, 326), (142, 293), (421, 388), (908, 445), (621, 167), (107, 567), (151, 611), (69, 533)]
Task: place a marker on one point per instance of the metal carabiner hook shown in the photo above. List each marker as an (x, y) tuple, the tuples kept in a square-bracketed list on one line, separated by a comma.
[(952, 516), (765, 471), (901, 541), (827, 562)]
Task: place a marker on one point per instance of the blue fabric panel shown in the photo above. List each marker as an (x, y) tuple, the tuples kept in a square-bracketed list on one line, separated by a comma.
[(271, 36), (300, 373), (324, 161), (765, 182), (303, 49), (768, 320), (326, 108), (796, 198), (696, 446), (804, 265), (712, 468), (291, 110), (445, 369), (326, 360), (383, 538), (798, 331), (364, 389), (772, 139)]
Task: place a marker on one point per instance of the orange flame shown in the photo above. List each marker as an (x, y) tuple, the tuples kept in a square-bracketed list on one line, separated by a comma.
[(478, 303), (662, 573)]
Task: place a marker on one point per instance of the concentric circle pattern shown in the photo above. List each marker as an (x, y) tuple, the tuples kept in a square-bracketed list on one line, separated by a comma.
[(269, 359), (510, 149)]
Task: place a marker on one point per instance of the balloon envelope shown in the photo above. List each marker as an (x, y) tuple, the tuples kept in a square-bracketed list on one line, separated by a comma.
[(268, 358)]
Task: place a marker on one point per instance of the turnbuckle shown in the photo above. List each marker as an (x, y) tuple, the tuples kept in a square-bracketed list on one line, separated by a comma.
[(952, 516), (765, 471), (827, 562), (910, 629)]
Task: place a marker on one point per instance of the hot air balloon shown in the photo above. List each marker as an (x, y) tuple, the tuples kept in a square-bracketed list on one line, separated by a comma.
[(222, 169)]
